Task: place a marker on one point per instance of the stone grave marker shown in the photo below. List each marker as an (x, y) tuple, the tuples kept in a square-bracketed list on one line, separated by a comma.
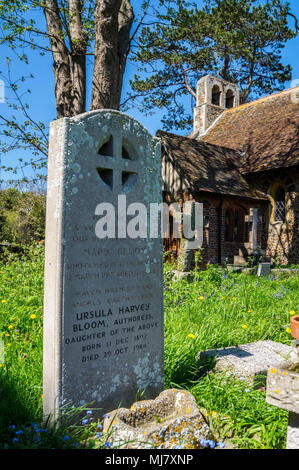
[(187, 246), (250, 361), (185, 257), (264, 269), (103, 304), (283, 392)]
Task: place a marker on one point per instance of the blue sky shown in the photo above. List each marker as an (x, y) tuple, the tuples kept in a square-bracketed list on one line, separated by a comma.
[(42, 99)]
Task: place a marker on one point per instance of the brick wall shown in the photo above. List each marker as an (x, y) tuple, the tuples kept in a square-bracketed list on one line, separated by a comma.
[(211, 205), (280, 241)]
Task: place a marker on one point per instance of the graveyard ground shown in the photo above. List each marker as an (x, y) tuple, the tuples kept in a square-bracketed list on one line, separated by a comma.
[(216, 310)]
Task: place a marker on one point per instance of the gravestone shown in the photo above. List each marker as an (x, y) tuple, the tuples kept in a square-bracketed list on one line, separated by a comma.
[(185, 257), (187, 245), (103, 304), (250, 361), (264, 269), (283, 392)]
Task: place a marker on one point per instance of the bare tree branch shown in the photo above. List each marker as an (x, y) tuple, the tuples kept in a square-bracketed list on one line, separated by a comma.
[(27, 138)]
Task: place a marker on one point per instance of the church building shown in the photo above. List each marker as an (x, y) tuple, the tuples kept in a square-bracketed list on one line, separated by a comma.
[(242, 163)]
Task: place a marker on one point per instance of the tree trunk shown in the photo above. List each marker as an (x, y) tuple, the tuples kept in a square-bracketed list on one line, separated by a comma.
[(69, 66), (224, 73), (61, 66), (114, 20), (113, 24), (78, 57)]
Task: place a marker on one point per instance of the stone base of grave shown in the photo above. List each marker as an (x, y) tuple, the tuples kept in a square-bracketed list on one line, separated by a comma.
[(172, 420), (293, 431), (283, 392), (250, 361)]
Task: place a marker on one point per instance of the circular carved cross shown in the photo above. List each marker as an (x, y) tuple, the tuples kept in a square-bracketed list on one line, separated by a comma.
[(118, 168)]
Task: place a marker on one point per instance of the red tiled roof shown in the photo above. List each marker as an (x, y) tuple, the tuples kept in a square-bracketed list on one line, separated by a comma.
[(265, 131)]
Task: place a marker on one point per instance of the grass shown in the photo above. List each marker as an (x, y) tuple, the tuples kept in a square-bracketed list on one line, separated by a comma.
[(217, 309)]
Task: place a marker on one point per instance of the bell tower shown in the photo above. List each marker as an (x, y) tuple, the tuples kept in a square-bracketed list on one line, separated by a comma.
[(213, 96)]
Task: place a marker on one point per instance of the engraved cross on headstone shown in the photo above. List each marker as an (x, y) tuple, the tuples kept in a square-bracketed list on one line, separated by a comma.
[(92, 284), (117, 165)]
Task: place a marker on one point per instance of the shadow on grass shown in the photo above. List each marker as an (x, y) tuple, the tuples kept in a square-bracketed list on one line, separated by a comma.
[(189, 372), (13, 410)]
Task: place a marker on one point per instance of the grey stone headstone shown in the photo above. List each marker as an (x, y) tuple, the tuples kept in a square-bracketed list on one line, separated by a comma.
[(186, 256), (264, 269), (293, 431), (283, 392), (283, 386), (250, 361), (103, 299)]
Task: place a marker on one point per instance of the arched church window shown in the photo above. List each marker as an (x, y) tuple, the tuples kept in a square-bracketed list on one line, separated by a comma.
[(216, 93), (229, 99), (279, 204)]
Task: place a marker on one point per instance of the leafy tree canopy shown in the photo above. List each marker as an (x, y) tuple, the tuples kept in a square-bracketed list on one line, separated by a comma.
[(73, 32), (239, 40)]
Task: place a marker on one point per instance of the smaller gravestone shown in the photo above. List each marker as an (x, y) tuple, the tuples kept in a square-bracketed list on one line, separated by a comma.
[(191, 237), (250, 361), (283, 392), (264, 269), (185, 257)]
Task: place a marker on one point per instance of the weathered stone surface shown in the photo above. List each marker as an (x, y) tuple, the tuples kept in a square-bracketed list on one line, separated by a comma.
[(188, 275), (264, 269), (283, 386), (251, 361), (172, 420), (283, 392), (103, 315), (187, 247), (185, 257), (293, 431)]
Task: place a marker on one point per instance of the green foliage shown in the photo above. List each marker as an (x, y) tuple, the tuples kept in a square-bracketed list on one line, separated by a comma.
[(21, 322), (200, 315), (239, 40), (242, 413), (23, 33), (214, 275), (21, 290), (19, 131), (221, 309), (22, 217), (21, 26), (198, 257)]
